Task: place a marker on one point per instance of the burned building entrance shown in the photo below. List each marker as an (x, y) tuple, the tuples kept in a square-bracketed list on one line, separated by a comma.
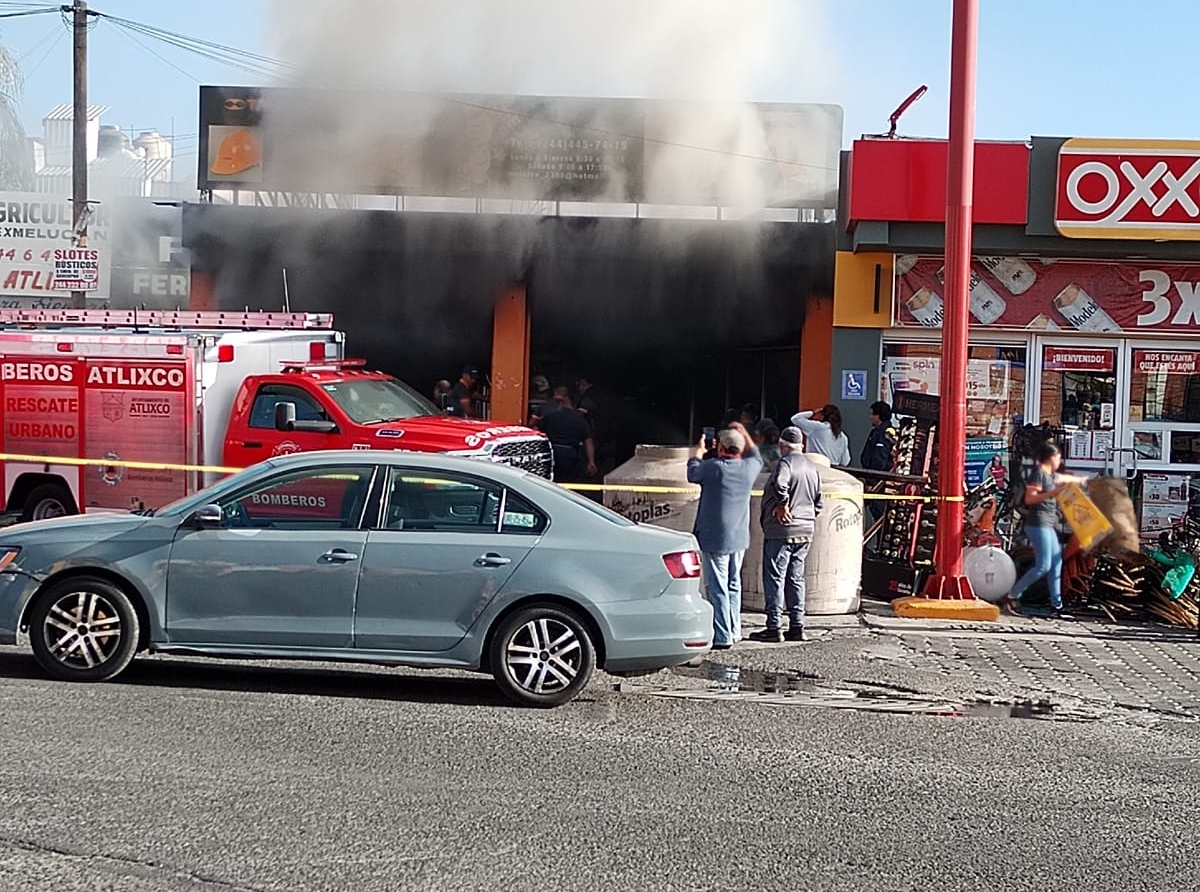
[(673, 321)]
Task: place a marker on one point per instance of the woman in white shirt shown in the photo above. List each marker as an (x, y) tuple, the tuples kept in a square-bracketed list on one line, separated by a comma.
[(825, 436)]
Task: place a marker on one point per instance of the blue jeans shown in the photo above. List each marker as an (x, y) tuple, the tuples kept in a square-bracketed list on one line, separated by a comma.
[(783, 574), (1047, 559), (723, 586)]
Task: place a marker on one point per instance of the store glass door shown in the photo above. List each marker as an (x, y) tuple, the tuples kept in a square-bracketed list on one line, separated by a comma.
[(1081, 390), (1129, 408)]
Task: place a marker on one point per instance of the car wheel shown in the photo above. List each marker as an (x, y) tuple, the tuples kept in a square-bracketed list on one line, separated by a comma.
[(47, 501), (542, 656), (83, 629)]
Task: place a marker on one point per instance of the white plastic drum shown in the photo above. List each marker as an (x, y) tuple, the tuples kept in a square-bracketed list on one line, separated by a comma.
[(990, 570), (655, 466)]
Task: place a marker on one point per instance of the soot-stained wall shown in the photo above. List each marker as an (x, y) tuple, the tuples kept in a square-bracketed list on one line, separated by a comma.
[(415, 292)]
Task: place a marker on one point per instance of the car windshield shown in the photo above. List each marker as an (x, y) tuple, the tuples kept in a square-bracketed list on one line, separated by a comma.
[(374, 400), (599, 510)]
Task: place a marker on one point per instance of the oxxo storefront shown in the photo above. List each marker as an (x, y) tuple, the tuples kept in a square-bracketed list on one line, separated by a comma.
[(1085, 305)]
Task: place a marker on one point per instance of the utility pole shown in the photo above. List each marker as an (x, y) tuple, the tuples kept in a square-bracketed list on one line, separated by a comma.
[(79, 159)]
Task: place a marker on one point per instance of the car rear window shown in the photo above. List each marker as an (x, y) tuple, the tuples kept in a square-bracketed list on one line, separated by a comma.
[(583, 502)]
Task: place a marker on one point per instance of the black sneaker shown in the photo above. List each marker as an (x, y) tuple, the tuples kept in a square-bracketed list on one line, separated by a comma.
[(1061, 614), (768, 636), (722, 646), (796, 633)]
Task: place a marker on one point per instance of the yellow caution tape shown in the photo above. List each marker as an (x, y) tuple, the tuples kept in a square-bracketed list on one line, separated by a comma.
[(577, 487), (693, 490), (108, 463)]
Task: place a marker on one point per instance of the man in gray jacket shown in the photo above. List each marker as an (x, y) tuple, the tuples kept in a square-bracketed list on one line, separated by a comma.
[(790, 505)]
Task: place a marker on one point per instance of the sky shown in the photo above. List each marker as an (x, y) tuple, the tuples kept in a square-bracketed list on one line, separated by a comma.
[(1046, 68)]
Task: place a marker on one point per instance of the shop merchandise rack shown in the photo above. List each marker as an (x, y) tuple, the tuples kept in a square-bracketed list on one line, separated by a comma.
[(910, 528)]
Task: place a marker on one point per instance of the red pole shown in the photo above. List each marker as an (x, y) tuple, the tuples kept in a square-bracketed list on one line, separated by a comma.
[(960, 171)]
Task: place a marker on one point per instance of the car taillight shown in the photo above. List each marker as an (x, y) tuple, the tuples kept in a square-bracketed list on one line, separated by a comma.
[(682, 564)]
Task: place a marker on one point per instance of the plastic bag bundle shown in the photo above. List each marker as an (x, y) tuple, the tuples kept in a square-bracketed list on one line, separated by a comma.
[(1111, 496)]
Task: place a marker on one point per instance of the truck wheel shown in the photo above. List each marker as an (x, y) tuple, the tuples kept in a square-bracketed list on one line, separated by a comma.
[(542, 656), (83, 629), (47, 501)]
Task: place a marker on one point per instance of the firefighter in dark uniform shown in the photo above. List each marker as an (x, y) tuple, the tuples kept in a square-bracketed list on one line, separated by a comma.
[(877, 450)]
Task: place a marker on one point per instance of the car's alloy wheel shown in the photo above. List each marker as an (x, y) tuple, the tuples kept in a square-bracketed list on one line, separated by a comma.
[(542, 656), (83, 629)]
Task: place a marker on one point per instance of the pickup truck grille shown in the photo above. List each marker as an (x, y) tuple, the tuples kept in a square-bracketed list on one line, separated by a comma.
[(532, 455)]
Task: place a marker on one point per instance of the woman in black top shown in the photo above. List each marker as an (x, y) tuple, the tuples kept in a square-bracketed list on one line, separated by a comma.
[(1041, 528)]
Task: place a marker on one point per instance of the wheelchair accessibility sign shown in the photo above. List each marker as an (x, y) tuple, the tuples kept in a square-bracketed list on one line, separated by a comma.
[(854, 384)]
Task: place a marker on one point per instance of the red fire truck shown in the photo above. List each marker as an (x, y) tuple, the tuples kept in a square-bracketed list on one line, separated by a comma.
[(222, 390)]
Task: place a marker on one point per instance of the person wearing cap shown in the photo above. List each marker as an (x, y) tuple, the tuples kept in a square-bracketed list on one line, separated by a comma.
[(462, 395), (722, 526), (790, 504)]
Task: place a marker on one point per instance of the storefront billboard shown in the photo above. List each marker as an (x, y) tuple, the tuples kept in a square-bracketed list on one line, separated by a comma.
[(1128, 189), (1056, 295), (520, 147), (37, 249)]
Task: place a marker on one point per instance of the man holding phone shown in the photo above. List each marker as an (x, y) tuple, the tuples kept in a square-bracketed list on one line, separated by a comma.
[(723, 522)]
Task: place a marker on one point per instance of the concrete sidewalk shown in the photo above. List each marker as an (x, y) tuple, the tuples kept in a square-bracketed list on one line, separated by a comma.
[(1140, 672)]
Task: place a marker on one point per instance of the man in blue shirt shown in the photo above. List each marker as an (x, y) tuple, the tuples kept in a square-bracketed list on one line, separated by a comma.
[(723, 524)]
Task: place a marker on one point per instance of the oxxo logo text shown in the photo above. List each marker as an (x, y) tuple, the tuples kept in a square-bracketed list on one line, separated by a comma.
[(1128, 189)]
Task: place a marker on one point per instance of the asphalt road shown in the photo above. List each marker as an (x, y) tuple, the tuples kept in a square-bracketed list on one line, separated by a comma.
[(194, 775)]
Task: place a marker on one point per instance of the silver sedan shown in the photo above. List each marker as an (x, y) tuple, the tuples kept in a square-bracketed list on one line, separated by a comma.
[(382, 557)]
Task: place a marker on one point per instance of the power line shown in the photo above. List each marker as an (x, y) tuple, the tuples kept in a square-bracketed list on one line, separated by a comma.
[(54, 30), (37, 11), (46, 55), (128, 35)]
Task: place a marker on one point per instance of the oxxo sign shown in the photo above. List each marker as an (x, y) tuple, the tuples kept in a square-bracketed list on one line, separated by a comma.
[(1128, 189)]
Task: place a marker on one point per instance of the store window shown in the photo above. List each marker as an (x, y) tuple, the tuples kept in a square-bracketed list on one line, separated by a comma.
[(1164, 395), (1165, 386), (995, 396)]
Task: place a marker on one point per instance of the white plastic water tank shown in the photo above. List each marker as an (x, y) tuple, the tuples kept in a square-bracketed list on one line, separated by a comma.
[(990, 570), (833, 570), (655, 466)]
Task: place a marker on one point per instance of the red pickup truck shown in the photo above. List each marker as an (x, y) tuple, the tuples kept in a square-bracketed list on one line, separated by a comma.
[(132, 389)]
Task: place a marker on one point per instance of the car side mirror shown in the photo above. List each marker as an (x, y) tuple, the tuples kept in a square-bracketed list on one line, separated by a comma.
[(208, 516), (285, 420), (285, 416)]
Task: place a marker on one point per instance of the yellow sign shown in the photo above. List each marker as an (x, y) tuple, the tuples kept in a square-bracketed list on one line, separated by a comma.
[(1083, 517)]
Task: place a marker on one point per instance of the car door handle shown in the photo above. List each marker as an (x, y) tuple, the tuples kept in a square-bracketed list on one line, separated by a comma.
[(338, 556), (491, 559)]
